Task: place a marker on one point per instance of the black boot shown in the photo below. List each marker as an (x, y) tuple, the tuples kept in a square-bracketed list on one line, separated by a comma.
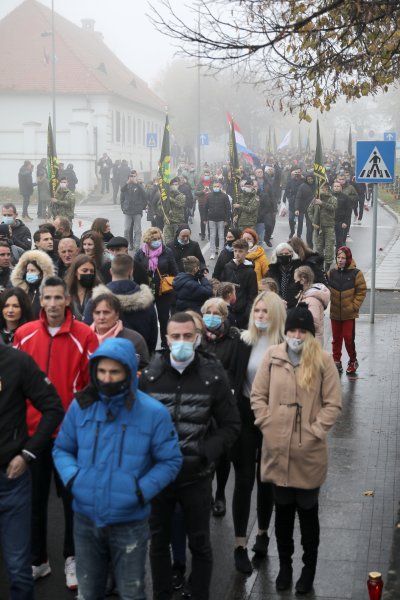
[(284, 525), (309, 527)]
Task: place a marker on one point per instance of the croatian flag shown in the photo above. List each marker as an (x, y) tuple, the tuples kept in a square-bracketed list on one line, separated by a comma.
[(248, 154)]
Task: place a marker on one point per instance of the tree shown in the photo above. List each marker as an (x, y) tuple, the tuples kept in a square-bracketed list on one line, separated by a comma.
[(302, 53)]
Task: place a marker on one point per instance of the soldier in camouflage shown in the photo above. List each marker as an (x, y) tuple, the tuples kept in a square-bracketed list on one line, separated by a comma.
[(63, 205), (245, 214), (322, 214), (173, 211)]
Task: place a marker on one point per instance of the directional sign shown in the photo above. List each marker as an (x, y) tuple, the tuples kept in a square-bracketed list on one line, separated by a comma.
[(203, 139), (375, 162), (390, 136), (151, 140)]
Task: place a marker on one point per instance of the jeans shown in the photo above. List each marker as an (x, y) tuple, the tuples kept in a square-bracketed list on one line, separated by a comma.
[(133, 230), (15, 534), (124, 544), (260, 230), (216, 228), (195, 500)]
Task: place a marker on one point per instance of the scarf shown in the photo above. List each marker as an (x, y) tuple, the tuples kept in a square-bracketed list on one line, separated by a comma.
[(111, 333), (152, 254)]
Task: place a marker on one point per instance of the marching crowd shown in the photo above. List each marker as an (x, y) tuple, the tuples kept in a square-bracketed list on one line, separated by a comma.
[(134, 436)]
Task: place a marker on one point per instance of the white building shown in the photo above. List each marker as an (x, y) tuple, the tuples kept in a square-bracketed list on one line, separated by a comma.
[(101, 106)]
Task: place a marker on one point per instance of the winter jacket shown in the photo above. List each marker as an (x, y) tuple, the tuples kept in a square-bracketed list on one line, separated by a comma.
[(202, 408), (274, 182), (25, 181), (245, 278), (224, 347), (292, 187), (348, 290), (246, 216), (224, 257), (123, 175), (65, 206), (115, 454), (176, 212), (64, 357), (191, 292), (351, 193), (166, 266), (259, 260), (133, 199), (305, 194), (137, 303), (181, 251), (343, 209), (294, 422), (21, 235), (267, 204), (5, 278), (18, 276), (72, 179), (20, 379), (277, 272), (326, 210), (317, 298), (316, 262), (217, 207)]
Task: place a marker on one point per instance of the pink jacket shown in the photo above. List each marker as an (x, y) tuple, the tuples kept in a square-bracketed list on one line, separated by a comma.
[(317, 298)]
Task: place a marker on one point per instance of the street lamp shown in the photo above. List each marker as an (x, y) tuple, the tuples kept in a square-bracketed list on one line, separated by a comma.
[(53, 68)]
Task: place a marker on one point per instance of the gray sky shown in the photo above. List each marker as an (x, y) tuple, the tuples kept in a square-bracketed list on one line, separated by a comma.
[(125, 27)]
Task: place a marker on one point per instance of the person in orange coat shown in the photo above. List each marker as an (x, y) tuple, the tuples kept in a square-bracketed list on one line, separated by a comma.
[(256, 254)]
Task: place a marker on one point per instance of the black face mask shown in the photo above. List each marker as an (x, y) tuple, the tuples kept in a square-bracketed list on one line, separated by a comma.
[(87, 280), (113, 388), (284, 259), (229, 243)]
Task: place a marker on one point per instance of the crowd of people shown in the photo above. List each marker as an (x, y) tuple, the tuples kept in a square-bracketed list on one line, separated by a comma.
[(169, 369)]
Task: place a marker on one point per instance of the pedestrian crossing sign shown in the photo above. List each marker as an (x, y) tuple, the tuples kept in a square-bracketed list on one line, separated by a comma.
[(375, 162)]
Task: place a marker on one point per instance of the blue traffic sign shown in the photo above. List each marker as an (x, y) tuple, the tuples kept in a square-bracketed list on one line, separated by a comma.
[(151, 140), (390, 136), (375, 162), (203, 139)]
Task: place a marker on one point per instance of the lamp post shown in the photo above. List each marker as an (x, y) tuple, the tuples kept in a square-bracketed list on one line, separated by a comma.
[(53, 69)]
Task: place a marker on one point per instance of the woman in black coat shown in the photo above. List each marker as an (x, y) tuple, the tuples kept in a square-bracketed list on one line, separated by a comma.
[(226, 253), (158, 260), (183, 246)]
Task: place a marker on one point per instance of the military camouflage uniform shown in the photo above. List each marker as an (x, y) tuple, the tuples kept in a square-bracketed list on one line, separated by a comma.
[(175, 215), (65, 206), (323, 220), (246, 216)]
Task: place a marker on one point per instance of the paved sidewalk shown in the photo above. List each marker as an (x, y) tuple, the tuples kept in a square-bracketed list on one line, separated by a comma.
[(388, 262)]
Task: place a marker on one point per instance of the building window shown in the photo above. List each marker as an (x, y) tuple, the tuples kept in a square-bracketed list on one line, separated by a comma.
[(118, 126), (129, 130)]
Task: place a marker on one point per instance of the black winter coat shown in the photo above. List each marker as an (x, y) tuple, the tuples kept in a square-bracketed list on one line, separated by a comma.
[(20, 379), (304, 195), (224, 257), (202, 408), (276, 272), (133, 199), (245, 278), (344, 209), (21, 235), (166, 266), (181, 251), (292, 187), (225, 348), (217, 207), (191, 292), (25, 181)]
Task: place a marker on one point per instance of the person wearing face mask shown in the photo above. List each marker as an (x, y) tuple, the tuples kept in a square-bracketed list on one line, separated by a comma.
[(296, 399), (226, 253), (174, 210), (245, 213), (20, 233), (266, 327), (284, 262), (63, 204), (184, 246), (290, 194), (191, 288), (217, 213), (256, 254), (207, 425), (32, 268), (81, 278)]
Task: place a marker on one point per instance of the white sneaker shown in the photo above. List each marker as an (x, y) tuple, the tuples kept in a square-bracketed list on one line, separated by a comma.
[(41, 570), (70, 573), (349, 239), (212, 256)]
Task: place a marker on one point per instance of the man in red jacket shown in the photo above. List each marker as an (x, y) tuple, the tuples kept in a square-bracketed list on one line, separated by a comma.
[(61, 347)]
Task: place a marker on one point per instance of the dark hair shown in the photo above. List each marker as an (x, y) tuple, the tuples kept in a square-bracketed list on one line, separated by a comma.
[(110, 299), (98, 246), (4, 242), (300, 247), (225, 288), (38, 233), (122, 265), (181, 317), (241, 244), (24, 304), (48, 227), (70, 277), (36, 265), (53, 282), (10, 205), (99, 225), (64, 223)]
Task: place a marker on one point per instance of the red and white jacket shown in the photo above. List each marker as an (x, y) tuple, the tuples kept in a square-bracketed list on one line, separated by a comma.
[(64, 357)]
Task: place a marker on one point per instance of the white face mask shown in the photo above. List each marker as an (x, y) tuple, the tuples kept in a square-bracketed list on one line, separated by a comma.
[(295, 344), (261, 325)]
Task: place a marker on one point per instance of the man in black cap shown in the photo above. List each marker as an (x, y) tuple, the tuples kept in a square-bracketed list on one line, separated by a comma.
[(116, 246)]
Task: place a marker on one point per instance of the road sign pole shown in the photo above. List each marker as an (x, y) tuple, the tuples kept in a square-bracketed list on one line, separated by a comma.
[(373, 269)]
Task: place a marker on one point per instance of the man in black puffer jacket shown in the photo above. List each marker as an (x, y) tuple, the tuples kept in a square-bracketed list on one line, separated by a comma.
[(195, 389)]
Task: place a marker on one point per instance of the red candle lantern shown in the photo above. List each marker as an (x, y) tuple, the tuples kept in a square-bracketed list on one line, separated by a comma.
[(375, 585)]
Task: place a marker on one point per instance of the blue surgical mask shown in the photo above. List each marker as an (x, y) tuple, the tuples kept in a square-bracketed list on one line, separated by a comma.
[(295, 344), (212, 321), (182, 351), (155, 244), (110, 256), (216, 190), (8, 220), (182, 242), (262, 325), (32, 277)]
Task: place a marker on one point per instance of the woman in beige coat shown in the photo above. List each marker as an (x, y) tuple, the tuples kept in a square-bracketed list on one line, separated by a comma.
[(296, 398)]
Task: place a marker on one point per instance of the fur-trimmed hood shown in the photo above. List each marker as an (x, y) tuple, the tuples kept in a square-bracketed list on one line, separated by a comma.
[(41, 258), (131, 296)]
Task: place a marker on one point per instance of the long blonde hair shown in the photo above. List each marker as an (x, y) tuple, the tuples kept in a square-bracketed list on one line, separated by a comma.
[(311, 363), (276, 318)]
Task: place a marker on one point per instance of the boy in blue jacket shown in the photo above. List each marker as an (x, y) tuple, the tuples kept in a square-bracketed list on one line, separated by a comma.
[(116, 450), (192, 288)]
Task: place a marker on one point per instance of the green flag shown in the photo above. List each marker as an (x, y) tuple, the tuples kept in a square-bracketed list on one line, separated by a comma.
[(350, 144), (319, 168), (164, 171), (52, 162), (234, 162)]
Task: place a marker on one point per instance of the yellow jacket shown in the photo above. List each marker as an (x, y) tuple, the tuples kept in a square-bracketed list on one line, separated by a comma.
[(260, 262)]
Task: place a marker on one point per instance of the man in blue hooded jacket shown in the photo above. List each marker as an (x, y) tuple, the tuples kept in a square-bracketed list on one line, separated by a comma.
[(116, 450)]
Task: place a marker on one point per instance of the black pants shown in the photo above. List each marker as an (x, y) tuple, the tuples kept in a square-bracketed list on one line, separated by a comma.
[(309, 235), (115, 185), (341, 235), (202, 213), (105, 182), (246, 457), (25, 204), (269, 223), (41, 469), (195, 500)]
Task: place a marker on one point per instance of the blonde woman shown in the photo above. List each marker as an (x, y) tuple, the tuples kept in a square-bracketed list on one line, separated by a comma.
[(315, 295), (266, 328), (296, 399)]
